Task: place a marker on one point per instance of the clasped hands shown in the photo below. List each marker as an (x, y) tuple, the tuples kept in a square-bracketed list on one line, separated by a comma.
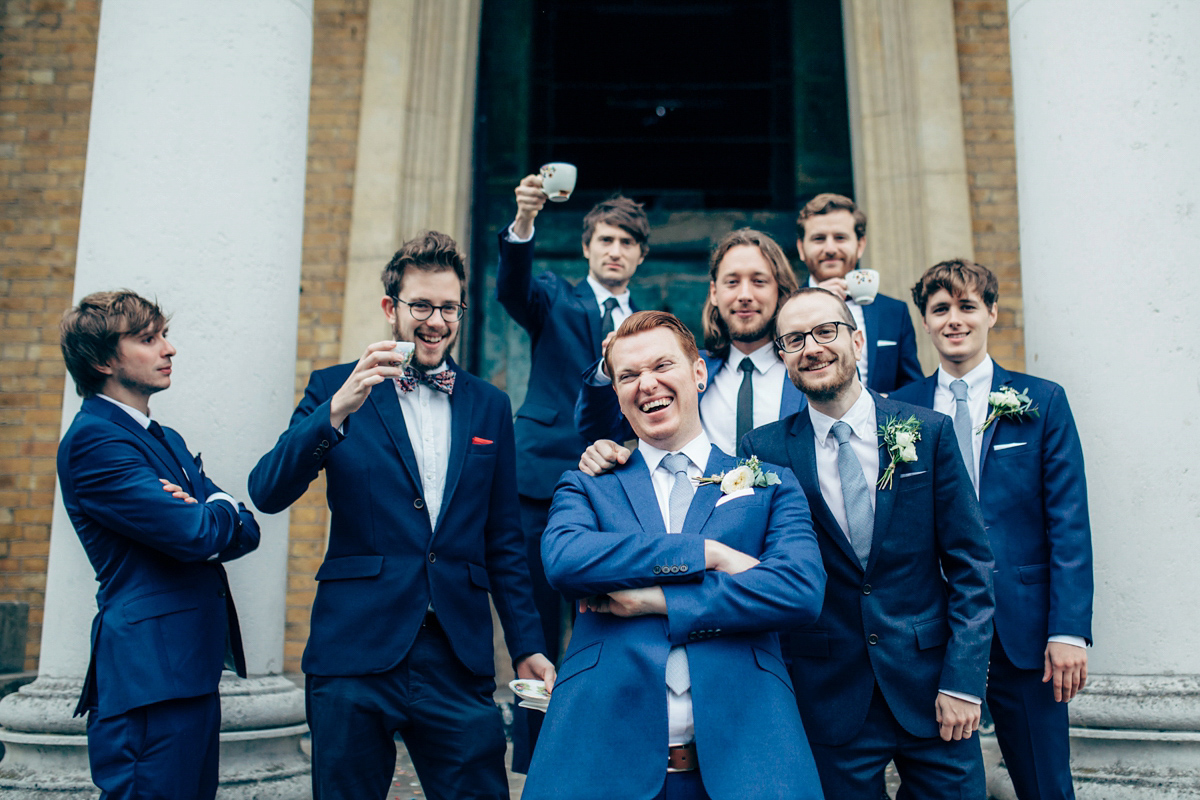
[(651, 599)]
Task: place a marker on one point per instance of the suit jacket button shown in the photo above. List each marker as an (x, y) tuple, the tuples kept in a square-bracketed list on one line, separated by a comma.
[(683, 567), (657, 569), (324, 443), (872, 639), (432, 557), (866, 588), (418, 504)]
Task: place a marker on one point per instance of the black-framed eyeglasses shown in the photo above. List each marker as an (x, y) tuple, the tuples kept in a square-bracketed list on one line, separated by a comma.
[(421, 311), (822, 334)]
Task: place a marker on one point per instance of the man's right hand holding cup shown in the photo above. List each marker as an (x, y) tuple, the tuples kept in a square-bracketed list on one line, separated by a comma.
[(530, 200)]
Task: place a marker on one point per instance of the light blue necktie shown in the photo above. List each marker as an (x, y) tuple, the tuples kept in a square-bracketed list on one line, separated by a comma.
[(962, 426), (860, 517), (679, 678)]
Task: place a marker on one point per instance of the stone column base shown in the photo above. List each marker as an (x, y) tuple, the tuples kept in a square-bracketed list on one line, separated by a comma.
[(262, 724)]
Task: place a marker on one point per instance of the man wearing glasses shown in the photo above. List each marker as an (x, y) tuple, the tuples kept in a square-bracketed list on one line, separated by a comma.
[(895, 666), (420, 480)]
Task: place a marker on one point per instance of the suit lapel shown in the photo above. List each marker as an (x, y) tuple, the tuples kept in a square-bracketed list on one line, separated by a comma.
[(871, 323), (885, 499), (707, 494), (387, 405), (461, 405), (587, 298), (635, 480), (117, 415), (1000, 377), (802, 453), (713, 365)]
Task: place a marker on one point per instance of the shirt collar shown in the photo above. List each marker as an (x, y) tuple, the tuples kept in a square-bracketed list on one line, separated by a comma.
[(602, 293), (763, 358), (860, 417), (138, 416), (698, 450), (979, 379)]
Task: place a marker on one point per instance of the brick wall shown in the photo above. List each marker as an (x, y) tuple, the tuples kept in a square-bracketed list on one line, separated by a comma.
[(985, 72), (47, 58), (338, 48)]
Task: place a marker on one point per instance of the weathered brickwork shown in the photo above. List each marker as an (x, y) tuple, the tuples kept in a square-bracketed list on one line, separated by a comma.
[(47, 59), (985, 72), (339, 37)]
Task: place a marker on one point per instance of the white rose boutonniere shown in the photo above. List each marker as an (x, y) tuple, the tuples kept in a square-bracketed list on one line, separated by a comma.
[(900, 438), (748, 474), (1008, 402)]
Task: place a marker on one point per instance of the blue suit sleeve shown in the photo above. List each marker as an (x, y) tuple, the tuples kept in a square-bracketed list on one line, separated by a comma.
[(786, 589), (117, 487), (966, 559), (283, 474), (908, 370), (597, 413), (1068, 528), (526, 300), (581, 559)]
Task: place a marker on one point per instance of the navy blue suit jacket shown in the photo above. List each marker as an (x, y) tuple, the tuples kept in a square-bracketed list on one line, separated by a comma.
[(385, 564), (919, 618), (605, 735), (166, 624), (1034, 498), (891, 345), (563, 322), (598, 415)]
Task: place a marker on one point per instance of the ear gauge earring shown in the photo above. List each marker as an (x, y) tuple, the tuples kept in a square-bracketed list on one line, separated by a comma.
[(700, 386)]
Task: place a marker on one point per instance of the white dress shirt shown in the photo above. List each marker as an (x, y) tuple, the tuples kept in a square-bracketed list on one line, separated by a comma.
[(861, 321), (427, 418), (718, 406), (865, 443), (680, 727), (979, 386)]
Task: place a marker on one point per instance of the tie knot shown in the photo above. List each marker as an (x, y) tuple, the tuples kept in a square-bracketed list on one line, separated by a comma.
[(747, 365), (611, 304), (676, 463), (958, 388), (841, 431)]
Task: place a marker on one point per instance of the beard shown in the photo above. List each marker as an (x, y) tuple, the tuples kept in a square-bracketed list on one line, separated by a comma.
[(448, 339), (843, 375)]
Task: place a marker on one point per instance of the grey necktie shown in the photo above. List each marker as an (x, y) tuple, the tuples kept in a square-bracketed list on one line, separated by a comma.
[(745, 405), (962, 425), (679, 679), (860, 517), (606, 323)]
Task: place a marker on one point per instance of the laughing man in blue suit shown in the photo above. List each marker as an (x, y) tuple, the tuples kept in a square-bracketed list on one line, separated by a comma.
[(418, 463), (674, 685), (831, 235), (749, 276), (156, 530), (895, 666), (1030, 481)]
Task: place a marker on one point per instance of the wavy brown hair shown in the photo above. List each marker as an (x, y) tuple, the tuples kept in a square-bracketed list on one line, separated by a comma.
[(90, 332), (716, 333)]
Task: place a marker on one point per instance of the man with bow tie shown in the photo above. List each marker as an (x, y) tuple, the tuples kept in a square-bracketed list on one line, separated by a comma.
[(421, 483), (156, 530)]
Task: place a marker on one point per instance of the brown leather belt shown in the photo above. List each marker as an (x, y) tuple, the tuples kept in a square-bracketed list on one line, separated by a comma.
[(682, 758)]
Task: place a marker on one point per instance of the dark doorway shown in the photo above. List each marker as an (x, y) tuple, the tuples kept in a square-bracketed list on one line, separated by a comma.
[(715, 114)]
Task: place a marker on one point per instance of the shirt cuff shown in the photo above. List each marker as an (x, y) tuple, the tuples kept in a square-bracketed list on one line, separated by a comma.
[(598, 378), (225, 497), (970, 698), (509, 236), (1078, 641)]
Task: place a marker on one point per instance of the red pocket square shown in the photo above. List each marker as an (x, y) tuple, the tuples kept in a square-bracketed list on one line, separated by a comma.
[(477, 440)]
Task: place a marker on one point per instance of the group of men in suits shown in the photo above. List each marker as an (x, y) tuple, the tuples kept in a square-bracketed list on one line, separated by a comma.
[(876, 558)]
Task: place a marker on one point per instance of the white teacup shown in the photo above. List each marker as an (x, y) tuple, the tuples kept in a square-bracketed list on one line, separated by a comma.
[(862, 285), (558, 180), (404, 351)]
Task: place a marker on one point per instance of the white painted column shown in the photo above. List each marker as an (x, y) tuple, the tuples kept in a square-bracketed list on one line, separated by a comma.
[(1107, 104), (194, 195)]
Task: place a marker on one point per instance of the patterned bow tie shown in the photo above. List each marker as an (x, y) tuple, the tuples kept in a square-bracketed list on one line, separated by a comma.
[(442, 381)]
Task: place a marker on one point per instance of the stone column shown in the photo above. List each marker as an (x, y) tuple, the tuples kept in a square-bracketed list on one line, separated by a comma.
[(906, 132), (194, 194), (1107, 105), (416, 126)]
